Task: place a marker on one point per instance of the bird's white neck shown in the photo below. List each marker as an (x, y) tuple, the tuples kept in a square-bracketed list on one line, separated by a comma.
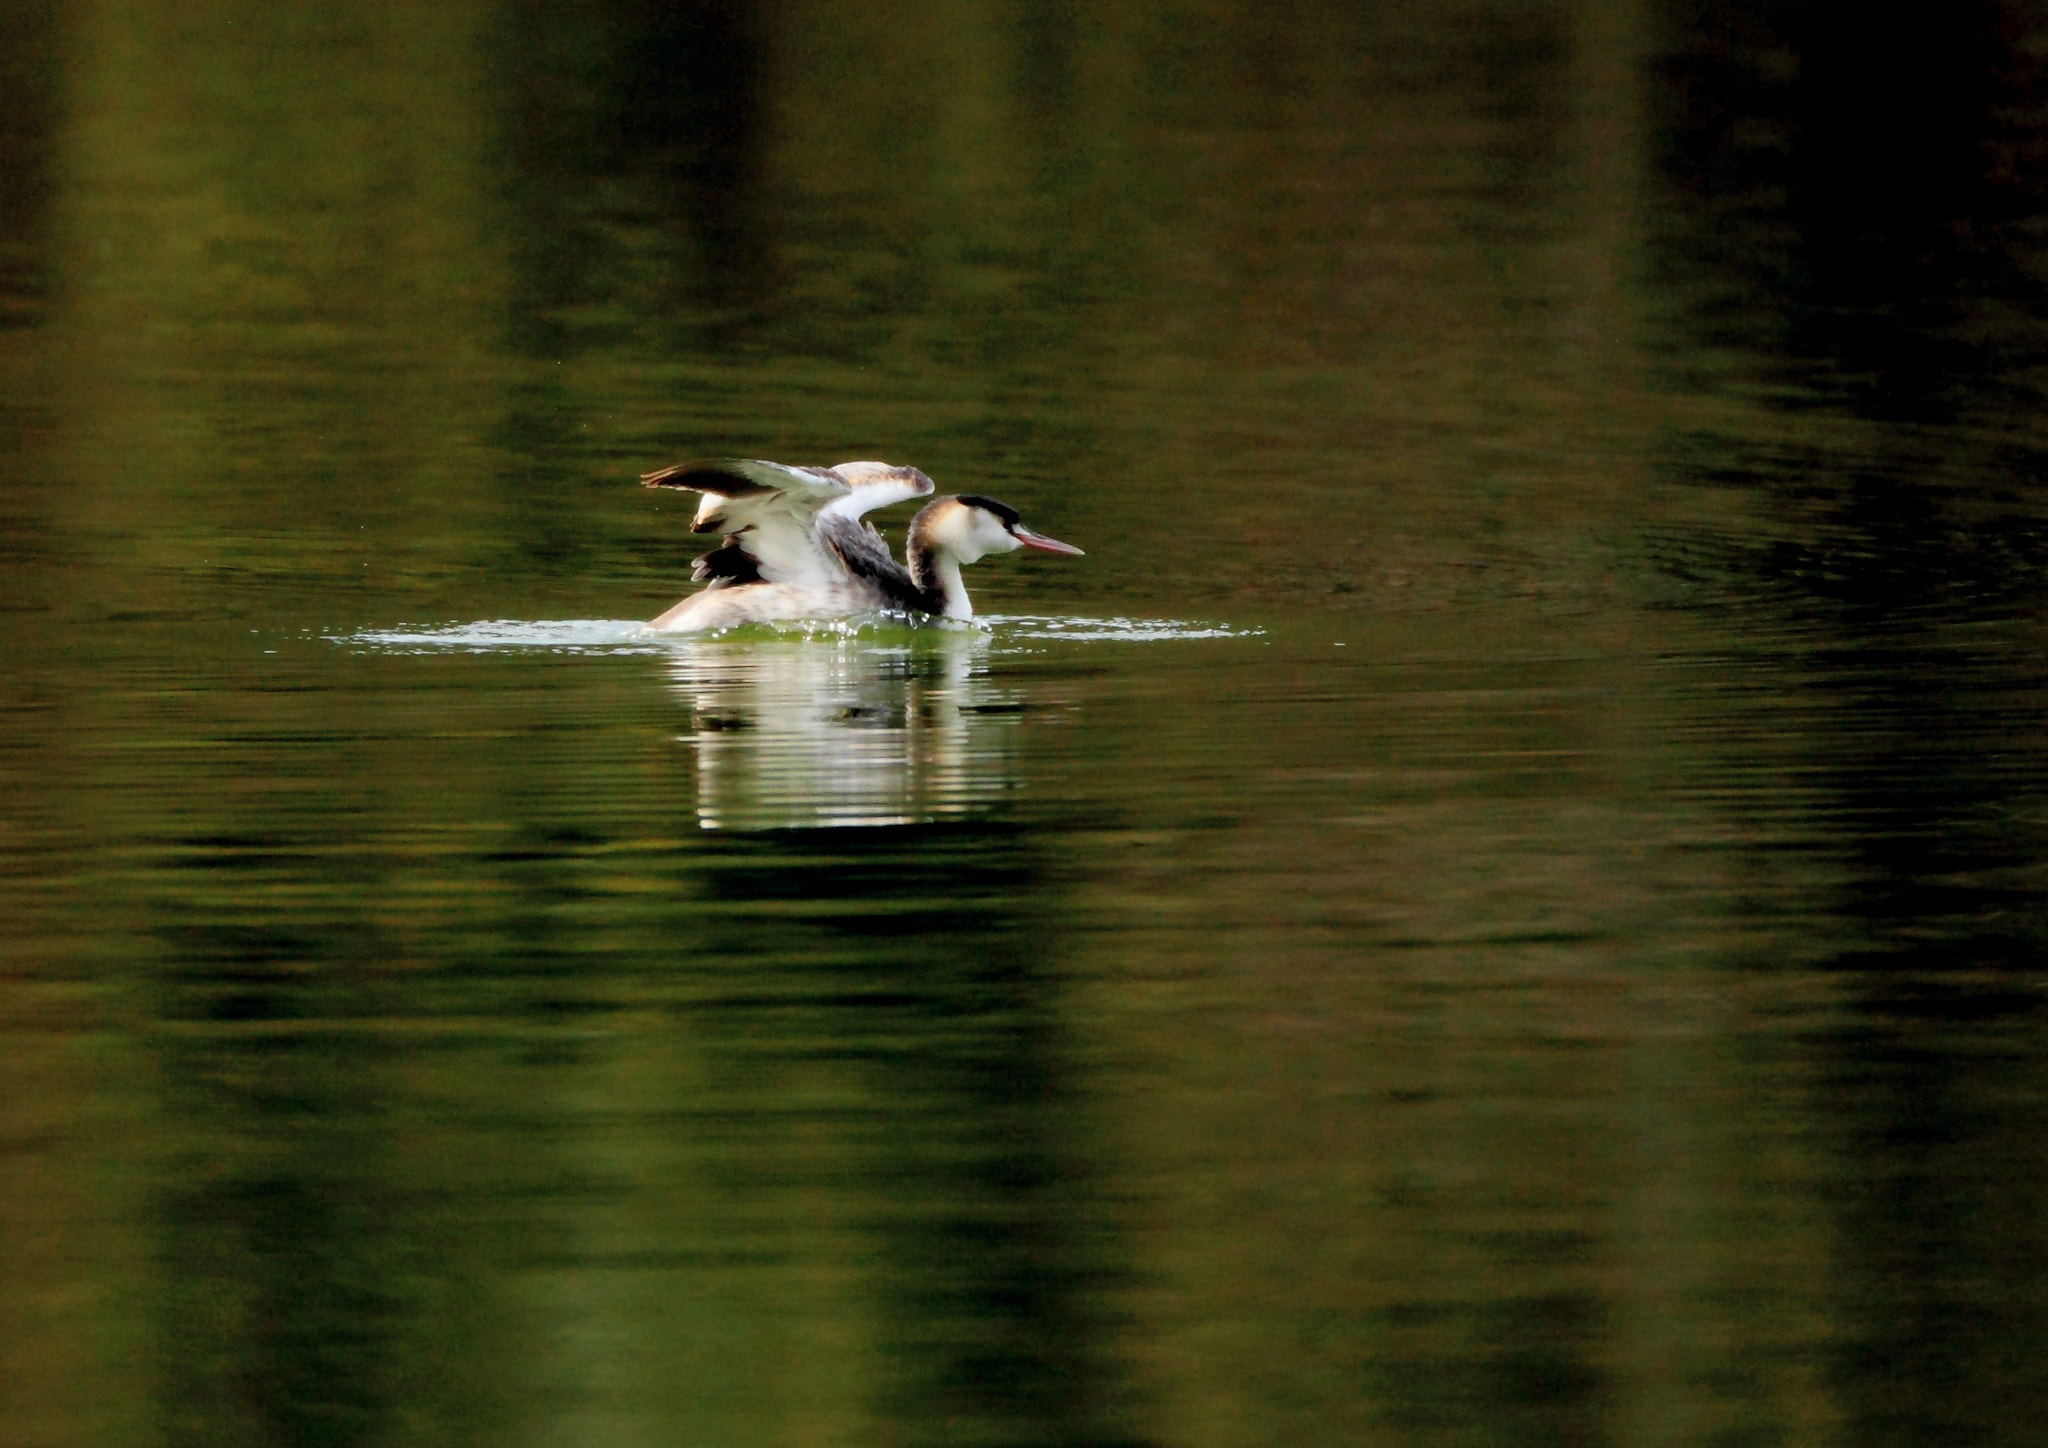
[(945, 578)]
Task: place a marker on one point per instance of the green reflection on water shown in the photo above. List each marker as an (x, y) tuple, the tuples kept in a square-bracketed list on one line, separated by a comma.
[(1559, 963)]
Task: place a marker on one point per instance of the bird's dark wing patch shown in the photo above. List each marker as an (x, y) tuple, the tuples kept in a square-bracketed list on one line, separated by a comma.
[(729, 564), (724, 477)]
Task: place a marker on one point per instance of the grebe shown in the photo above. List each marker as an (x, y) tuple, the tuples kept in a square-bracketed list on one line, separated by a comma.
[(795, 545)]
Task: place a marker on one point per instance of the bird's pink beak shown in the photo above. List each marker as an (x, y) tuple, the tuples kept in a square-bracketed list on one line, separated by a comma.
[(1038, 540)]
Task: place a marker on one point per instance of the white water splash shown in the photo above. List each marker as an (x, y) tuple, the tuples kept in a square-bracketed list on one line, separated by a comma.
[(548, 635), (1113, 630), (633, 636)]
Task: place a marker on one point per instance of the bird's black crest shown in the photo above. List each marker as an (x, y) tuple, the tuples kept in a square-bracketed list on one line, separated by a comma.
[(1008, 514)]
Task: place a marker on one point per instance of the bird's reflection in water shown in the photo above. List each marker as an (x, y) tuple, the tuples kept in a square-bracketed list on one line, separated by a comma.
[(855, 730)]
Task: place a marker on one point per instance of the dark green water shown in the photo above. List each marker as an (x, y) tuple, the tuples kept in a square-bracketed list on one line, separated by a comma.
[(1501, 903)]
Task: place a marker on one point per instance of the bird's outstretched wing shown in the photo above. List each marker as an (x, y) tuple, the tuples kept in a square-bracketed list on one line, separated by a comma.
[(769, 512)]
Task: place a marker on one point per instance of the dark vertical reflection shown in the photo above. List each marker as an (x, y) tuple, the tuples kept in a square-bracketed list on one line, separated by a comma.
[(1914, 179), (634, 153), (926, 969), (689, 100), (632, 166), (29, 104), (1866, 199), (1517, 66), (1524, 1366), (1047, 79), (28, 129), (1939, 1097), (1860, 208), (283, 1277), (309, 1270)]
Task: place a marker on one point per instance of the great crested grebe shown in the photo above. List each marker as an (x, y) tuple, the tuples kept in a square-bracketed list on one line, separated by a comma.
[(795, 544)]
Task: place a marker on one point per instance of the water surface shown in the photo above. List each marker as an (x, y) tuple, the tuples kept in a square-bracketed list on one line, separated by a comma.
[(1502, 902)]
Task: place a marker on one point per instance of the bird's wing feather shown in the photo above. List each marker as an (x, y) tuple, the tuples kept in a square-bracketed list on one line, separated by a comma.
[(771, 512), (767, 510), (736, 487), (876, 485)]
